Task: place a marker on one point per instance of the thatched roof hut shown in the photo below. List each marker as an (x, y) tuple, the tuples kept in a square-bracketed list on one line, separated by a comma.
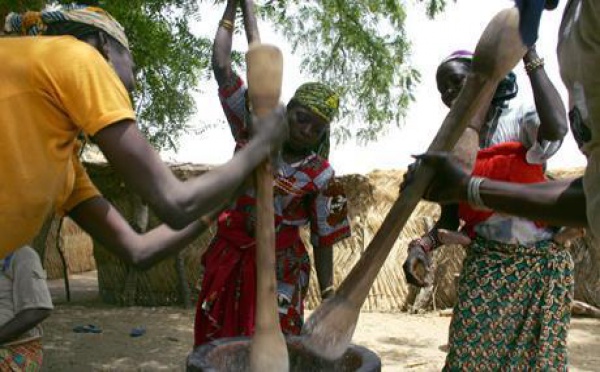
[(370, 198)]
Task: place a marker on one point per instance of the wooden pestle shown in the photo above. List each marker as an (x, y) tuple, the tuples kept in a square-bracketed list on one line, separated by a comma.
[(329, 329), (268, 348)]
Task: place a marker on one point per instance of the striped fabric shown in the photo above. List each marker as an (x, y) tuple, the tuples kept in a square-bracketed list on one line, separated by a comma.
[(521, 123), (36, 23)]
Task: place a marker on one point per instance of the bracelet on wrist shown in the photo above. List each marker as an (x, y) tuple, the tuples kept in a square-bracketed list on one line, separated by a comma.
[(226, 24), (534, 64), (474, 194)]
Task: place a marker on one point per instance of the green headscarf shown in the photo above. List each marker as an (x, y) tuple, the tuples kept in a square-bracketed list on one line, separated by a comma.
[(319, 98)]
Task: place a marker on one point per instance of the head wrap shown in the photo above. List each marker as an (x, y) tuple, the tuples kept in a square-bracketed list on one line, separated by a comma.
[(36, 23), (459, 55), (318, 98), (324, 102)]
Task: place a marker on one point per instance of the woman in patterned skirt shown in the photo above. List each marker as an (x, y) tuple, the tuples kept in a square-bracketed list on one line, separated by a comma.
[(305, 193), (515, 287)]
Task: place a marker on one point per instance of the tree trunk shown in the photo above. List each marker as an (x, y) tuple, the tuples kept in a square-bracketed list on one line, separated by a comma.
[(184, 288), (41, 240)]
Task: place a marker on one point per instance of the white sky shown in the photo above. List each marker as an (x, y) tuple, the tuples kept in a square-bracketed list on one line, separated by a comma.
[(457, 28)]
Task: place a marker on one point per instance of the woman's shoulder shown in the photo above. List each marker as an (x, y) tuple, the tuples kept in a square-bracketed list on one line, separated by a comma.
[(72, 52)]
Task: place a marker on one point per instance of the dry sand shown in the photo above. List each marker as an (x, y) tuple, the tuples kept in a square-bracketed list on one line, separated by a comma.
[(404, 342)]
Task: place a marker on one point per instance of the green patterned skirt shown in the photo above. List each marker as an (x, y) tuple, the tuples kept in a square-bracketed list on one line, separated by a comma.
[(513, 308)]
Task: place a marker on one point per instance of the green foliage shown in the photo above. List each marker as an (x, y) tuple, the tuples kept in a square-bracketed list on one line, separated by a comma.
[(170, 60), (359, 46), (434, 7)]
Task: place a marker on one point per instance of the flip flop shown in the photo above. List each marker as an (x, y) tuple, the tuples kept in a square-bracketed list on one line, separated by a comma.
[(137, 331), (89, 328)]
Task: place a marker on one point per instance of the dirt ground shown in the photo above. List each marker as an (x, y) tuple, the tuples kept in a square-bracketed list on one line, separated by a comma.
[(404, 342)]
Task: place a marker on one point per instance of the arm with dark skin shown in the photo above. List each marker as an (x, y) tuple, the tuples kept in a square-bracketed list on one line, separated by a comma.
[(445, 229), (175, 202), (21, 323), (179, 203), (418, 253), (185, 206), (107, 226), (221, 57), (24, 280), (557, 202), (418, 249), (560, 203), (548, 104), (449, 219), (324, 267)]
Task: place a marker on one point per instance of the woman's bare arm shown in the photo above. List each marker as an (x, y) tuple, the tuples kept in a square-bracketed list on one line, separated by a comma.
[(221, 57), (105, 224), (179, 203)]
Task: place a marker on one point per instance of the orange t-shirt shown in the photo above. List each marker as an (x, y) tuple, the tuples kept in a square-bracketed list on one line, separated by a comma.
[(52, 88)]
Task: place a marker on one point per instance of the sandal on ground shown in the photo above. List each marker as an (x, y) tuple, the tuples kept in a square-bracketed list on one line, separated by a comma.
[(89, 328), (137, 331)]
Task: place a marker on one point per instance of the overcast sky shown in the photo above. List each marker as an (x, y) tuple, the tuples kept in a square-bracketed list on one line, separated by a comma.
[(458, 28)]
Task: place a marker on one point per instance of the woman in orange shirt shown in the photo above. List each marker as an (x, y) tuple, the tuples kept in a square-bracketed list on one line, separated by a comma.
[(75, 78)]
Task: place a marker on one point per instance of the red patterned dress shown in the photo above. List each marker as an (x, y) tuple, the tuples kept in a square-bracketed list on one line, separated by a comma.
[(305, 193)]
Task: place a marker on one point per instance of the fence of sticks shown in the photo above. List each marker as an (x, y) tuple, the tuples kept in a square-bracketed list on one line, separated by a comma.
[(175, 280)]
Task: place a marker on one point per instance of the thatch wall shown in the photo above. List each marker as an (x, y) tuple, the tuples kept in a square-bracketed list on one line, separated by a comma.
[(122, 284), (74, 243), (586, 257), (369, 197)]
